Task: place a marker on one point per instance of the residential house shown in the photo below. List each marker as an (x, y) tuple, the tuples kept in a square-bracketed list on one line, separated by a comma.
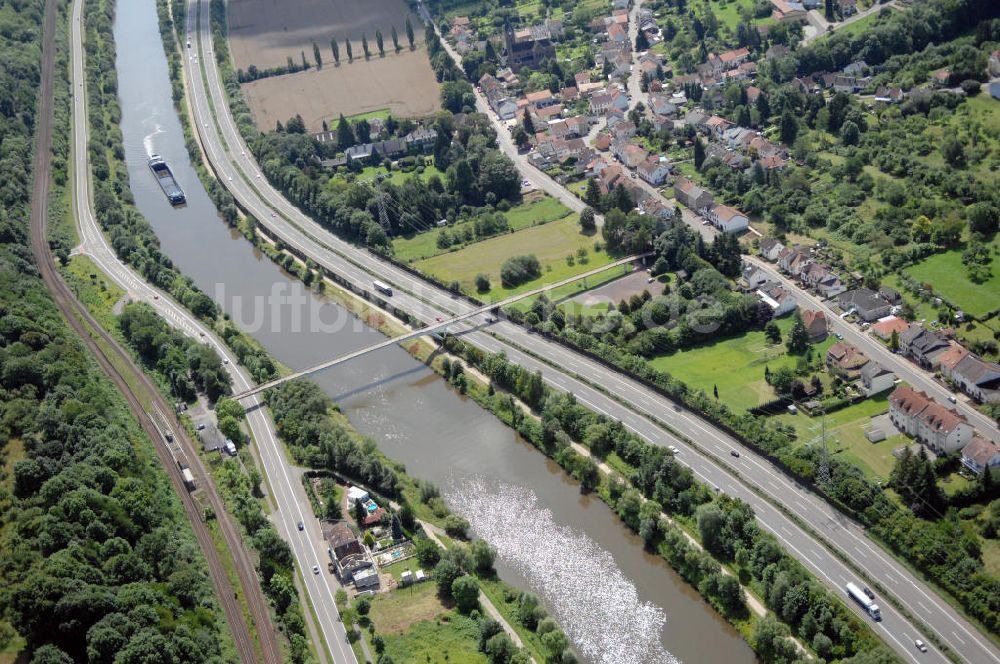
[(654, 207), (570, 93), (729, 157), (662, 104), (780, 299), (788, 12), (770, 248), (876, 379), (890, 295), (793, 260), (847, 7), (772, 163), (716, 126), (505, 109), (981, 454), (857, 68), (941, 78), (603, 142), (845, 360), (978, 378), (610, 177), (623, 130), (815, 322), (654, 170), (528, 47), (728, 219), (949, 359), (630, 154), (734, 58), (599, 103), (754, 277), (541, 99), (887, 95), (691, 195), (917, 415), (738, 138), (617, 33), (922, 345), (753, 94), (868, 304), (581, 78), (884, 328), (349, 558), (421, 137)]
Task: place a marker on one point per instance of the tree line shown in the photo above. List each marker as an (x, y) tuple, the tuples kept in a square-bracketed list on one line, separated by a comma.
[(655, 483), (101, 563)]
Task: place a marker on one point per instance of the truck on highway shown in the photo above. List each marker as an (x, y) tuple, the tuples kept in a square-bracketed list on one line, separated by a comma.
[(383, 288), (866, 603)]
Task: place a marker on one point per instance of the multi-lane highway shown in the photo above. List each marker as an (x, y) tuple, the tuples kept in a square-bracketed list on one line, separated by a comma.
[(634, 404), (287, 490)]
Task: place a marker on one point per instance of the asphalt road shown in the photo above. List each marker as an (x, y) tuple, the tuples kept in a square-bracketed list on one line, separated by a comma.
[(235, 167), (288, 492)]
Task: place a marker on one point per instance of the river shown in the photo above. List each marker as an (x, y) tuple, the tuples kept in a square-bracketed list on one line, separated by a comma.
[(413, 415)]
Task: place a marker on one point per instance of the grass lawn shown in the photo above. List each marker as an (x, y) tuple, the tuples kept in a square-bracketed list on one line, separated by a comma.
[(845, 431), (735, 365), (536, 209), (381, 113), (551, 243), (99, 294), (563, 294), (418, 628), (991, 556), (947, 275), (397, 176), (396, 569), (858, 27)]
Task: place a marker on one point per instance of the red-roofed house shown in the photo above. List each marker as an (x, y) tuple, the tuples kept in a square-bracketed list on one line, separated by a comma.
[(917, 415), (815, 322), (845, 360), (885, 327), (654, 170)]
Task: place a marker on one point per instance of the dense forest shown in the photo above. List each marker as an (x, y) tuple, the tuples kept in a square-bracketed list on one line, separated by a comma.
[(100, 565)]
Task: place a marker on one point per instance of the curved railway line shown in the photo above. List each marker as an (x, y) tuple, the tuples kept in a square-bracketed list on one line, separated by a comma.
[(130, 381)]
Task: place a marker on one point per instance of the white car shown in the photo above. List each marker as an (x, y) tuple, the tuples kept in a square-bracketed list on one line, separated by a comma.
[(315, 569), (673, 448), (921, 646)]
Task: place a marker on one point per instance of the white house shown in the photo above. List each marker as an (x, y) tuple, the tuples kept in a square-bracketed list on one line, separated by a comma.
[(917, 415), (876, 379), (728, 220), (654, 170), (778, 298), (980, 454)]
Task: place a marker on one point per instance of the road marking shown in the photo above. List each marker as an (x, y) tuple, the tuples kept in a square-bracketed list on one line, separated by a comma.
[(858, 549), (960, 639)]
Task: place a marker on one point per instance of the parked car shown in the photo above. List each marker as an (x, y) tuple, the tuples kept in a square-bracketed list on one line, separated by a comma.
[(201, 427), (952, 398)]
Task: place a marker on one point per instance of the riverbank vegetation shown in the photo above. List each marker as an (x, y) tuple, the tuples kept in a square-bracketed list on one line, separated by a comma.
[(662, 502), (642, 329), (90, 522), (405, 621)]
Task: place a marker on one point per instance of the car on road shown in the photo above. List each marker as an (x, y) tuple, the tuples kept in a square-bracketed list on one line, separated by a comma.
[(673, 448), (952, 398), (302, 526), (225, 360), (839, 336), (155, 296), (315, 569), (525, 183), (201, 427), (632, 175), (438, 318), (868, 591), (921, 646), (734, 453), (650, 280)]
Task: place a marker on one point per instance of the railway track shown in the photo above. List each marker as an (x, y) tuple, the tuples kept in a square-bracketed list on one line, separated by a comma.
[(120, 367)]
